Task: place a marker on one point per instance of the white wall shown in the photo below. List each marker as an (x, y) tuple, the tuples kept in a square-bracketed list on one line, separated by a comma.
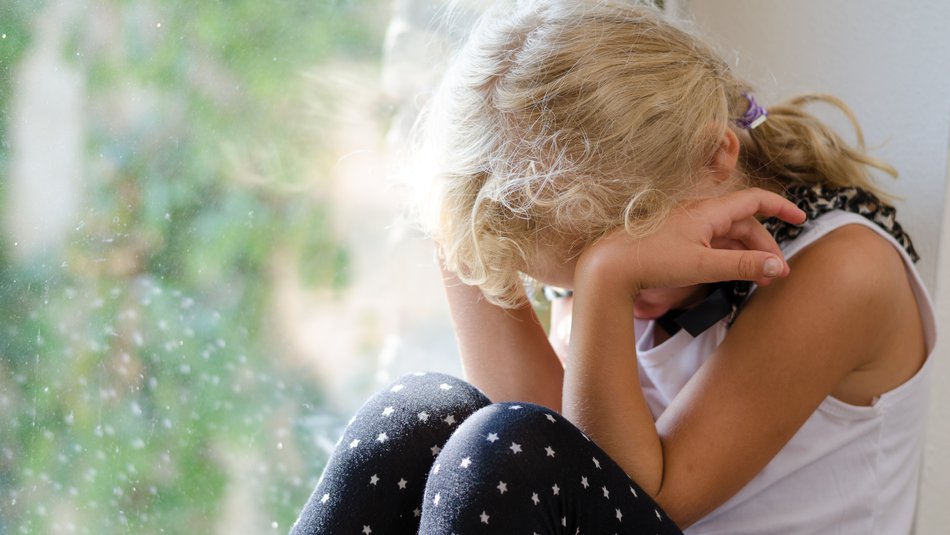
[(933, 514), (890, 61)]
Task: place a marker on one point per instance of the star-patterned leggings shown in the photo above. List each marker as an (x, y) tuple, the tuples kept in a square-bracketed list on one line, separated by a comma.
[(430, 454)]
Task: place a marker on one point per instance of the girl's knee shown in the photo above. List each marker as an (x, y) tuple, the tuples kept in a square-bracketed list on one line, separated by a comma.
[(385, 453), (526, 420), (504, 433), (499, 465), (416, 410), (424, 398)]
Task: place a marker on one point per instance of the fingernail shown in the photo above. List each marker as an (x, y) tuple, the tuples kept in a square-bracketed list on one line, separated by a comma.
[(773, 267)]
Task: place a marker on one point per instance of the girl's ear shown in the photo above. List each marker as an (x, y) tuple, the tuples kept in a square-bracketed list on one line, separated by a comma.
[(724, 159)]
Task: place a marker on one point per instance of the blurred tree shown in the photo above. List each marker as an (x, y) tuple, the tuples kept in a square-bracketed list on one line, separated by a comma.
[(135, 376)]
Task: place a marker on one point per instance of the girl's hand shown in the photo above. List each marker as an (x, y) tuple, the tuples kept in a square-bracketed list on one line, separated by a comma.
[(707, 241)]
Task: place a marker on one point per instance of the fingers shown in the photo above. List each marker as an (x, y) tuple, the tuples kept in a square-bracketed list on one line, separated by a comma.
[(733, 222), (756, 266), (751, 202), (752, 235)]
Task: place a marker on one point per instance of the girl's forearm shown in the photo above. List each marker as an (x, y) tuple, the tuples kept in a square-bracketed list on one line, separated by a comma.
[(505, 352), (602, 393)]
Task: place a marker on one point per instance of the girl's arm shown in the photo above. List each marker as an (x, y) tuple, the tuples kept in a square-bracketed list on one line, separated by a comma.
[(505, 352), (795, 341)]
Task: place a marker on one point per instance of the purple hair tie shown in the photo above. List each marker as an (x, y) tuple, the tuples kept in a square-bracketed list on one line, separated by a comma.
[(754, 116)]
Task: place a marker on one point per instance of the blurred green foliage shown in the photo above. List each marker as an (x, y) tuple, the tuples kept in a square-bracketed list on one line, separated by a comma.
[(14, 38), (134, 373)]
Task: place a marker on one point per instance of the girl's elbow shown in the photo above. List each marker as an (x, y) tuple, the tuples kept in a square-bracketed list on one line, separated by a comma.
[(682, 511)]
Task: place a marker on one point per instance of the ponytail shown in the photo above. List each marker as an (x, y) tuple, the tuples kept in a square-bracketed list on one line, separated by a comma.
[(793, 146)]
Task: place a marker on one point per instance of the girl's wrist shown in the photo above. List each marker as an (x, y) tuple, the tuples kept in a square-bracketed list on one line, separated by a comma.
[(599, 274)]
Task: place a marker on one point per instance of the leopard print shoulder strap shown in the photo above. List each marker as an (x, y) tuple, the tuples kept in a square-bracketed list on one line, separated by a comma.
[(817, 199)]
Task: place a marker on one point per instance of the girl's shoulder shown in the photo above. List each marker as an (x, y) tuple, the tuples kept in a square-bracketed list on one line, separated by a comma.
[(861, 280)]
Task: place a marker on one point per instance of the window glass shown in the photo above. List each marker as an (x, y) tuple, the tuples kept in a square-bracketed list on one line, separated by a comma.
[(202, 265)]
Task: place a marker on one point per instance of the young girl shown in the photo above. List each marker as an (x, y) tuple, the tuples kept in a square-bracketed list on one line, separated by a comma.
[(602, 151)]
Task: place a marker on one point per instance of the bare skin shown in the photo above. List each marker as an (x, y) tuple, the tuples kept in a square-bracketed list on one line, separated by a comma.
[(504, 352), (849, 291), (757, 389)]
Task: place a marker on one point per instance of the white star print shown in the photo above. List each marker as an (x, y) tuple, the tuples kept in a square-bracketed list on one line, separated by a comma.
[(584, 481), (606, 492), (633, 492), (416, 512), (402, 484), (619, 516), (549, 450), (596, 462), (355, 443), (449, 419), (534, 498), (444, 386), (374, 480), (387, 411), (515, 407), (484, 517), (502, 487), (564, 521), (515, 447), (466, 462), (551, 418), (437, 499), (435, 450), (325, 498), (424, 416), (397, 388), (367, 530), (492, 437), (556, 489), (383, 437)]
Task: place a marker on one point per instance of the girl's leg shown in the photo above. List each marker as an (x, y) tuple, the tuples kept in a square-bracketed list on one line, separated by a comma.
[(521, 468), (374, 480)]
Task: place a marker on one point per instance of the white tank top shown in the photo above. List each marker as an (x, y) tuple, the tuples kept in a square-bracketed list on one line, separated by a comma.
[(850, 470)]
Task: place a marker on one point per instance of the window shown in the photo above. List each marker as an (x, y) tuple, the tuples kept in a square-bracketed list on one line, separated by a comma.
[(200, 269)]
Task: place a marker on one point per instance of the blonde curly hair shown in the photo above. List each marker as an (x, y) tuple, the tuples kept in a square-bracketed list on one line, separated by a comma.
[(562, 120)]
